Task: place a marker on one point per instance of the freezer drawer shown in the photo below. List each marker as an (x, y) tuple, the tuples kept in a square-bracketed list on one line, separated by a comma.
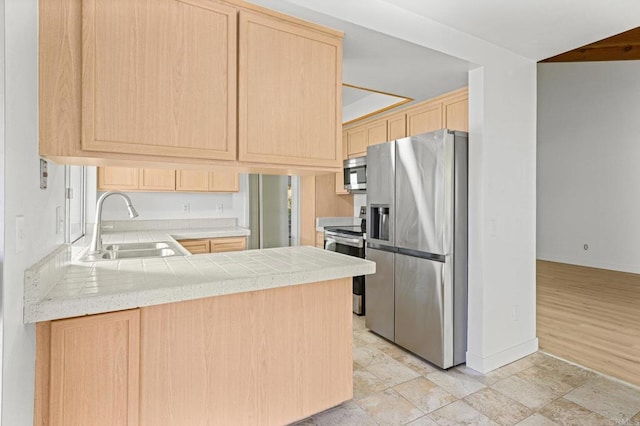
[(420, 308), (380, 305)]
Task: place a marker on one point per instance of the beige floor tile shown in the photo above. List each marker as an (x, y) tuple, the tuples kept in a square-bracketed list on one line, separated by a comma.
[(564, 372), (635, 421), (424, 394), (366, 355), (417, 364), (456, 383), (394, 351), (423, 421), (366, 383), (561, 380), (611, 399), (368, 336), (486, 379), (358, 323), (529, 393), (460, 413), (389, 408), (392, 372), (498, 407), (565, 412), (537, 419), (346, 414)]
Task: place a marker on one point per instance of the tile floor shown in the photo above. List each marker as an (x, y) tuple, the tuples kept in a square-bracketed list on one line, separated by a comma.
[(393, 387)]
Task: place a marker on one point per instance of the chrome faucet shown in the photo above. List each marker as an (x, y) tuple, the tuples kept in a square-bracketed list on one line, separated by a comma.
[(96, 239)]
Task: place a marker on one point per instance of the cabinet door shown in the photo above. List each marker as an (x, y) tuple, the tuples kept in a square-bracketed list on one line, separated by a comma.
[(167, 85), (290, 82), (192, 180), (224, 182), (357, 142), (340, 175), (220, 245), (426, 119), (196, 246), (377, 132), (118, 178), (456, 114), (380, 288), (94, 370), (157, 180), (396, 127)]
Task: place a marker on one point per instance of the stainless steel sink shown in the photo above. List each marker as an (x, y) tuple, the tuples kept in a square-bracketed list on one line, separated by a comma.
[(138, 246), (129, 254), (134, 250)]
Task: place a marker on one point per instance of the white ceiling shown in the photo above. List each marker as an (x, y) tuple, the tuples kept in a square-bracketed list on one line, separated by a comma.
[(535, 29)]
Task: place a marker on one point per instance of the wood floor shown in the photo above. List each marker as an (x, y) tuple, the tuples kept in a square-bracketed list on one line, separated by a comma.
[(590, 316)]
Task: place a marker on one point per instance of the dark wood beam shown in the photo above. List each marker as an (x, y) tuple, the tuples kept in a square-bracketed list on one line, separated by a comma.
[(620, 47)]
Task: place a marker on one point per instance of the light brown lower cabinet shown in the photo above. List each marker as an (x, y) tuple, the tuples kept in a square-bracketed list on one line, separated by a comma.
[(87, 370), (267, 357), (214, 245)]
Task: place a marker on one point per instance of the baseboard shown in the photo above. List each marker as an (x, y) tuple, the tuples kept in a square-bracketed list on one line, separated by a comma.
[(632, 269), (486, 364)]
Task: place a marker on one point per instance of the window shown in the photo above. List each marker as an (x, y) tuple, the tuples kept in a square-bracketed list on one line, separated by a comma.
[(75, 188)]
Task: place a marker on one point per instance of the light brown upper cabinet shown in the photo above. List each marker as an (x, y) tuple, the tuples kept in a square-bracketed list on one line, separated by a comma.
[(359, 138), (376, 133), (157, 179), (165, 180), (132, 179), (166, 85), (396, 127), (456, 112), (191, 82), (357, 141), (290, 84), (202, 181), (426, 118)]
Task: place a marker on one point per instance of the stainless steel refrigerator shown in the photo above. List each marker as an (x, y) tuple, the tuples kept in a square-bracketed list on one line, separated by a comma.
[(417, 235)]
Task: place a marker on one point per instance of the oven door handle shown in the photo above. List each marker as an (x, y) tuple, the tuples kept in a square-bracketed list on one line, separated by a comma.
[(351, 242)]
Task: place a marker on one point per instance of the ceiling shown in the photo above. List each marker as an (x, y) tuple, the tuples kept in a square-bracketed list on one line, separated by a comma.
[(620, 47), (535, 29)]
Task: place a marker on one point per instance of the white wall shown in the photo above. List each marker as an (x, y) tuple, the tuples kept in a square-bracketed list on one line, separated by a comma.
[(588, 164), (23, 197)]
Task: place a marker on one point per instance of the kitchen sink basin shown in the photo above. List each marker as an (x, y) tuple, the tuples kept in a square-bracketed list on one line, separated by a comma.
[(133, 251), (138, 246), (130, 254)]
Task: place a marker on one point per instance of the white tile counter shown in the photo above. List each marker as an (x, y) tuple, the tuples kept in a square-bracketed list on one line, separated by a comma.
[(60, 287)]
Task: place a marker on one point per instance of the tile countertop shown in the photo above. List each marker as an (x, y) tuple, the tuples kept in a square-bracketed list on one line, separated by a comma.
[(82, 288)]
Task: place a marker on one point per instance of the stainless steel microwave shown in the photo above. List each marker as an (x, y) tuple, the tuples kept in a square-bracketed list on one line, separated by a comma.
[(355, 174)]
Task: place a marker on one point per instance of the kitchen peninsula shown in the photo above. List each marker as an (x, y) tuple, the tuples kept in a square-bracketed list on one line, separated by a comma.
[(252, 337)]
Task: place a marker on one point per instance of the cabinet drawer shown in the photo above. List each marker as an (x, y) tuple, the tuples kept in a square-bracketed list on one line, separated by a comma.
[(219, 245), (196, 246)]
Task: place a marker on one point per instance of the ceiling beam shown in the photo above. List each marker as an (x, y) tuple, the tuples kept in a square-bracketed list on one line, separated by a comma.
[(620, 47)]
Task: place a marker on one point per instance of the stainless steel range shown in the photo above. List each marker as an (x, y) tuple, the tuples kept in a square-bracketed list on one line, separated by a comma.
[(350, 240)]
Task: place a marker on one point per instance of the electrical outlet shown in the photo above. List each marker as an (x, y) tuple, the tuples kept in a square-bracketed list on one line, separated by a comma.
[(219, 207), (186, 208), (44, 174)]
